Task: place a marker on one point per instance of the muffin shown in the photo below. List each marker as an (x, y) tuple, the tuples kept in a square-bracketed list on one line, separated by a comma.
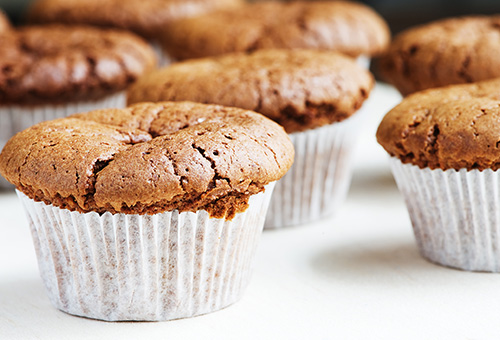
[(445, 153), (145, 17), (451, 51), (53, 71), (312, 94), (143, 213), (347, 27)]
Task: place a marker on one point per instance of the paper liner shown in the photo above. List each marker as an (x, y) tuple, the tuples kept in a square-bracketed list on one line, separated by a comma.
[(364, 61), (455, 214), (14, 119), (319, 178), (164, 59), (140, 267)]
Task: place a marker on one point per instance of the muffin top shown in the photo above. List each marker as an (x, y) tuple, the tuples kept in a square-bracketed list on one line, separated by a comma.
[(299, 89), (144, 17), (453, 127), (4, 22), (149, 158), (346, 27), (450, 51), (57, 64)]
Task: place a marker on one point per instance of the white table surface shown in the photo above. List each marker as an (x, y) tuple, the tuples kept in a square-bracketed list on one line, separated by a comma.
[(357, 275)]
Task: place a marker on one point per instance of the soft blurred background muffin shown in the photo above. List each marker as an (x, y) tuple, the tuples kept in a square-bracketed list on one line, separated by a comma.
[(147, 18)]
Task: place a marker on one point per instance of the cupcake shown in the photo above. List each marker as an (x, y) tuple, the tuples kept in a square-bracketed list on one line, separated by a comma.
[(445, 153), (54, 71), (312, 94), (350, 28), (147, 18), (147, 213), (445, 52)]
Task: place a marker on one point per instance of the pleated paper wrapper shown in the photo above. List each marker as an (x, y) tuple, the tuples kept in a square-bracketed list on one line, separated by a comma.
[(455, 214), (318, 181), (144, 267), (164, 59), (14, 119)]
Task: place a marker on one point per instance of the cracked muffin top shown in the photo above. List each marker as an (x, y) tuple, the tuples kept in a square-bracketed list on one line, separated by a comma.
[(445, 52), (144, 17), (350, 28), (57, 64), (149, 158), (453, 127), (299, 89)]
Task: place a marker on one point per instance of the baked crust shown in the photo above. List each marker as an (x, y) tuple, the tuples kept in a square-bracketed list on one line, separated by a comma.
[(445, 52), (57, 64), (299, 89), (149, 158), (347, 27), (453, 127), (144, 17)]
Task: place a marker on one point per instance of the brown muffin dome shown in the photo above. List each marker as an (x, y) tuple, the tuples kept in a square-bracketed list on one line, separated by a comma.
[(299, 89), (54, 64), (144, 17), (445, 52), (149, 158), (453, 127), (346, 27)]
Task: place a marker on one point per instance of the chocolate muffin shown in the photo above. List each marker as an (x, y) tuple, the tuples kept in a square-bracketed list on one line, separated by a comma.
[(162, 191), (445, 52), (53, 71), (313, 94), (147, 18), (346, 27), (445, 153)]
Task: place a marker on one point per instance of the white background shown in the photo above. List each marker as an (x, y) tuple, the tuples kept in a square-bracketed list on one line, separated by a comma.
[(357, 275)]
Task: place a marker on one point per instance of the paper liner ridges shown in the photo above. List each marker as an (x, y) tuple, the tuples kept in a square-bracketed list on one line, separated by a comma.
[(319, 178), (455, 214), (141, 267)]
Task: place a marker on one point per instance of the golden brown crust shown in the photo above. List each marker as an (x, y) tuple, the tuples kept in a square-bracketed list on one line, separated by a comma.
[(144, 17), (149, 158), (452, 127), (300, 89), (445, 52), (346, 27), (53, 64)]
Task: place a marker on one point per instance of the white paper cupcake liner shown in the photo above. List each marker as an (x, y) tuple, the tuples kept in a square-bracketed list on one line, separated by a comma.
[(455, 214), (364, 60), (319, 178), (14, 119), (140, 267), (164, 59)]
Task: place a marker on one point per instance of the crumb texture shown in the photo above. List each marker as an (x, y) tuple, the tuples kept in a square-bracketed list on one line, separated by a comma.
[(346, 27), (453, 127), (144, 17), (57, 64), (445, 52), (300, 89), (149, 158)]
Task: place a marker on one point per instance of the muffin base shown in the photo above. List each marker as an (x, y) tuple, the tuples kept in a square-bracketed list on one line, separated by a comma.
[(455, 214), (14, 119), (144, 267), (319, 179)]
